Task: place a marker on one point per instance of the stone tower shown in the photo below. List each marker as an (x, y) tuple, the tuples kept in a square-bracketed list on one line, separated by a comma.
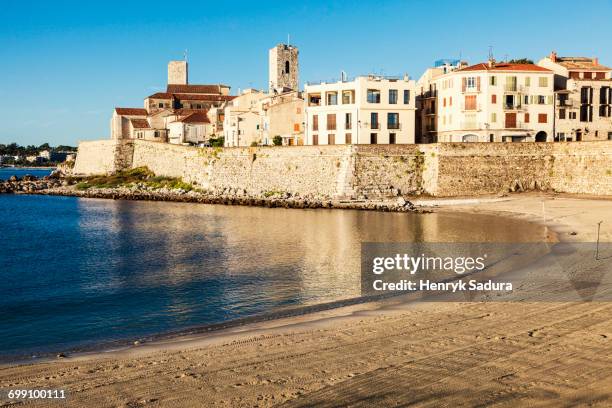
[(177, 73), (283, 68)]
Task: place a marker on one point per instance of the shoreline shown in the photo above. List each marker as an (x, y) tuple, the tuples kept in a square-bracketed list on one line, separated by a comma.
[(246, 323), (300, 360)]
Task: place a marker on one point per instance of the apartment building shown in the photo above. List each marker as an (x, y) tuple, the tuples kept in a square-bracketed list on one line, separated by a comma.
[(243, 119), (493, 102), (426, 98), (366, 110), (583, 98)]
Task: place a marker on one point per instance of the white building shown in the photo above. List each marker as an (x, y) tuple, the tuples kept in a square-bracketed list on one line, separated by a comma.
[(584, 98), (243, 119), (492, 102), (367, 110), (193, 128)]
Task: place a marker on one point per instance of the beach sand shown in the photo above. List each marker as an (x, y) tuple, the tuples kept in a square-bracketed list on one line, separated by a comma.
[(387, 353)]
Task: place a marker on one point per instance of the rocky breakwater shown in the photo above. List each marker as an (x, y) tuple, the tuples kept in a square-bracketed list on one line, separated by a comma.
[(227, 197), (29, 184)]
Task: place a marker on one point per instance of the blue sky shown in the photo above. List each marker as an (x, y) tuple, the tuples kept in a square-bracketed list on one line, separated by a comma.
[(65, 65)]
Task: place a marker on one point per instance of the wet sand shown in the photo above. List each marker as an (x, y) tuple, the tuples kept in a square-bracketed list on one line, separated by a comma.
[(378, 354)]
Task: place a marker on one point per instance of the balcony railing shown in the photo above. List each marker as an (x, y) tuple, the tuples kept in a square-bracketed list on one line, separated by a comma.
[(375, 126), (565, 103), (516, 125), (516, 107), (393, 126)]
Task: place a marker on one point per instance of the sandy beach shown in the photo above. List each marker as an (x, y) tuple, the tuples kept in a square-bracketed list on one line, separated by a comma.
[(387, 353)]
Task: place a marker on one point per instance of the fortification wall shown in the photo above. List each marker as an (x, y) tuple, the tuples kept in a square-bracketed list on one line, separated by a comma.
[(367, 171)]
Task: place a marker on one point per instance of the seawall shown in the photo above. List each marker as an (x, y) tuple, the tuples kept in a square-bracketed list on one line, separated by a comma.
[(366, 171)]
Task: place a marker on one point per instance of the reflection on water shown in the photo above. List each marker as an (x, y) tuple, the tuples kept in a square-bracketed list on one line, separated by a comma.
[(82, 271)]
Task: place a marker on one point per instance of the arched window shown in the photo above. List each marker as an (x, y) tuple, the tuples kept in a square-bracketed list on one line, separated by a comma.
[(286, 67)]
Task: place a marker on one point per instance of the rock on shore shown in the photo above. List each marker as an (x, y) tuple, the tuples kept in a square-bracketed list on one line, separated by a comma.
[(177, 195), (28, 184)]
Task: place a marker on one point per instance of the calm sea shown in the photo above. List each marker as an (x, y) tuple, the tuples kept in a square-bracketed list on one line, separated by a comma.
[(6, 172), (82, 272)]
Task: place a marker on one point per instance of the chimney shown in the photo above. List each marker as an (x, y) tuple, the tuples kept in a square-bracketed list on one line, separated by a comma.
[(595, 61), (553, 56), (491, 62)]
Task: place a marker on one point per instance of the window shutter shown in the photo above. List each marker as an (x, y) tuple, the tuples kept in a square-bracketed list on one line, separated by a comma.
[(550, 99), (463, 84), (478, 84)]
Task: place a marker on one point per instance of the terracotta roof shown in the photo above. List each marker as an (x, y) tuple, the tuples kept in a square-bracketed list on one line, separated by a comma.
[(197, 117), (131, 111), (581, 63), (140, 124), (504, 66), (200, 89), (191, 97)]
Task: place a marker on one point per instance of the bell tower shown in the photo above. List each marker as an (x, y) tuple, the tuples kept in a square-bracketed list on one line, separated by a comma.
[(283, 68)]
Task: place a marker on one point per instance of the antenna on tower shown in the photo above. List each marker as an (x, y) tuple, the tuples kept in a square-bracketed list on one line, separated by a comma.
[(505, 57), (490, 53)]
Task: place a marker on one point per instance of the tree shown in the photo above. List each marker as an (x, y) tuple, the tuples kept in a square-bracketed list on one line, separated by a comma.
[(277, 140), (521, 61), (217, 142)]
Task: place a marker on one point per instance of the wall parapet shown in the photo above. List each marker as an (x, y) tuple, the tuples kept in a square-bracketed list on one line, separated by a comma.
[(366, 171)]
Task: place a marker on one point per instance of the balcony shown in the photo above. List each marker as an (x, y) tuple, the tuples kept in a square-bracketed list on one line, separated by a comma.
[(565, 103), (513, 107), (393, 126), (429, 94), (516, 125), (471, 89), (514, 88)]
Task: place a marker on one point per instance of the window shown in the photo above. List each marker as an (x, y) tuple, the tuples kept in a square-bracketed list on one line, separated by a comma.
[(586, 113), (543, 82), (511, 84), (541, 100), (493, 117), (331, 139), (348, 121), (161, 105), (561, 113), (286, 67), (572, 115), (391, 138), (491, 138), (493, 80), (392, 96), (315, 140), (450, 101), (493, 98), (609, 135), (470, 102), (373, 138), (526, 118), (374, 120), (471, 82), (526, 100), (393, 121), (527, 81), (156, 134), (296, 127), (315, 122), (331, 121), (588, 75), (542, 118), (373, 96), (406, 96), (348, 138), (332, 98), (348, 97)]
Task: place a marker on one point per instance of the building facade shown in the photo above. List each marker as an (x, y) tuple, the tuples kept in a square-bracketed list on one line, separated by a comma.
[(367, 110), (490, 102), (583, 98)]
